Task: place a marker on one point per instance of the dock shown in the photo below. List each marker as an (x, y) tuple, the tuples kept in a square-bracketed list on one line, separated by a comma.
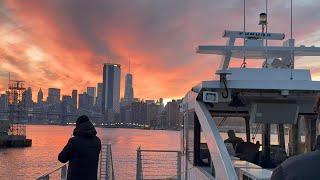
[(14, 141)]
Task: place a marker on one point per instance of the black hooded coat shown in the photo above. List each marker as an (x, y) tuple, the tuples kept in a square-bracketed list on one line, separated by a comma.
[(300, 167), (82, 151)]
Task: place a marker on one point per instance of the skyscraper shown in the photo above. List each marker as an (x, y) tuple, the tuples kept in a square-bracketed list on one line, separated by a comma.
[(128, 92), (3, 102), (75, 98), (27, 98), (99, 96), (53, 96), (111, 88), (84, 101), (40, 97), (91, 91)]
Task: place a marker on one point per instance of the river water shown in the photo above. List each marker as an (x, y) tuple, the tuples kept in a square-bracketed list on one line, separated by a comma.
[(47, 142), (28, 163)]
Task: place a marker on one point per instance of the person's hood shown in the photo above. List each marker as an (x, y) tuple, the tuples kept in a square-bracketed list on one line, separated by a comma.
[(85, 129)]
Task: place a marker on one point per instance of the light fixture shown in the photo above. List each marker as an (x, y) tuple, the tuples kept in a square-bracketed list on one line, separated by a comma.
[(263, 19)]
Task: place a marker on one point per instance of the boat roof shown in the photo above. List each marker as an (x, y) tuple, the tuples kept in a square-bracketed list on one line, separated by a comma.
[(258, 52)]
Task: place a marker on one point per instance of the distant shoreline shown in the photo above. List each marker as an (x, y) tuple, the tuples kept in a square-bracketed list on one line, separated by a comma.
[(106, 126)]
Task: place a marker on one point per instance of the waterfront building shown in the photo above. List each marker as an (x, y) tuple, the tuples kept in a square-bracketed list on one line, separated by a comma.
[(91, 91), (111, 88), (84, 102), (3, 102), (53, 96), (99, 96), (138, 109), (27, 98), (125, 113), (172, 114), (40, 97), (152, 111), (75, 98), (67, 109), (128, 91)]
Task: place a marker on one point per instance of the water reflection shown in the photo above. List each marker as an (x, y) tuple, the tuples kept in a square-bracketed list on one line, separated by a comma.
[(28, 163)]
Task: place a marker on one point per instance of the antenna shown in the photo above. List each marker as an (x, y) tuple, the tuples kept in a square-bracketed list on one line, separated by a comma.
[(9, 79), (292, 42), (266, 34), (129, 67), (244, 64), (291, 20)]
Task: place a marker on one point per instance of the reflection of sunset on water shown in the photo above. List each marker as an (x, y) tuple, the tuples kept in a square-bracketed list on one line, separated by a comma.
[(48, 141)]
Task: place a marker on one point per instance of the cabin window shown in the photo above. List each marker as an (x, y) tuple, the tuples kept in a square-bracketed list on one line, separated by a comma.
[(190, 136), (197, 148)]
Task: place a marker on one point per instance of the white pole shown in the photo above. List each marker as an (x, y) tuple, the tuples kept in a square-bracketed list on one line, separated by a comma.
[(244, 32), (291, 20), (266, 33), (292, 47)]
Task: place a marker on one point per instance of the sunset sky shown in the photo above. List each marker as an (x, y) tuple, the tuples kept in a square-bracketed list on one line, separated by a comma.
[(64, 43)]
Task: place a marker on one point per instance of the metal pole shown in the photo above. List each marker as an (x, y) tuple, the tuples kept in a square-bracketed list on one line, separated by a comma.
[(266, 34), (281, 136), (186, 126), (291, 29), (109, 165), (294, 139), (291, 20), (179, 165), (244, 33), (266, 143), (139, 165), (63, 171), (247, 119)]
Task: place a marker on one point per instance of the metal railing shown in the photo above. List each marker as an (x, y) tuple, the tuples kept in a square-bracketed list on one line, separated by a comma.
[(54, 174), (105, 170), (158, 164), (106, 163)]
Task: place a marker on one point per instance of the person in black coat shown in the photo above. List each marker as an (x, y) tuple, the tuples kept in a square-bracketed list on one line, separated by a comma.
[(233, 139), (82, 151), (300, 167)]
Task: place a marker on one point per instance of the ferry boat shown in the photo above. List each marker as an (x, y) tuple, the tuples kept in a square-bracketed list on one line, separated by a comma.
[(275, 94)]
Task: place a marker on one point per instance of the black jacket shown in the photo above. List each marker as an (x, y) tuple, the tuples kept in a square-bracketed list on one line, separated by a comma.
[(234, 141), (82, 152), (300, 167)]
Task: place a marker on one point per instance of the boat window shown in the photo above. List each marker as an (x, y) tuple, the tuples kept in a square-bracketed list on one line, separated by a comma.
[(190, 136), (197, 148)]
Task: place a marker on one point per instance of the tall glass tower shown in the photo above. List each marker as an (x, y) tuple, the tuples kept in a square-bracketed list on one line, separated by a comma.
[(128, 92), (111, 88)]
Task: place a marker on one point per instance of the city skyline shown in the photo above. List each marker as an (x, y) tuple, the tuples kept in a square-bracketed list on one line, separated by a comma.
[(65, 49)]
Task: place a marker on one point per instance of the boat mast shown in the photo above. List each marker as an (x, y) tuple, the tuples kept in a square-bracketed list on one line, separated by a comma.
[(244, 64), (266, 33), (291, 32)]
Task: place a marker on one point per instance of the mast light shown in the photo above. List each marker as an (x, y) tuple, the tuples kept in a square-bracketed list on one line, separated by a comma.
[(263, 19)]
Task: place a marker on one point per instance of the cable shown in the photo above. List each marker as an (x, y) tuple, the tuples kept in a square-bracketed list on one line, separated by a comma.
[(244, 63), (256, 132), (225, 94), (222, 121)]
